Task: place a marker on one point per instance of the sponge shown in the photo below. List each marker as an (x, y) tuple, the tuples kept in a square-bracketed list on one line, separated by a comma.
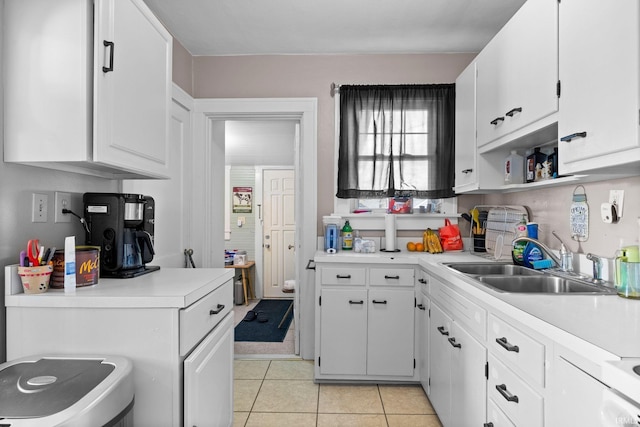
[(542, 264)]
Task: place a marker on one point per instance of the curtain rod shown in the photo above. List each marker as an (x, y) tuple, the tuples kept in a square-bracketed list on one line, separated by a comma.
[(335, 88)]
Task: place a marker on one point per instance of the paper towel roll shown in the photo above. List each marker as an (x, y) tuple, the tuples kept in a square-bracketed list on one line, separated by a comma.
[(390, 232)]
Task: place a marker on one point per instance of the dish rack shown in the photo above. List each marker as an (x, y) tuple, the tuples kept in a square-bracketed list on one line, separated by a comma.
[(499, 230)]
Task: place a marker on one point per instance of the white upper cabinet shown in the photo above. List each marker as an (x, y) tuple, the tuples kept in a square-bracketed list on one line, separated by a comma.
[(518, 75), (87, 87), (466, 170), (600, 97)]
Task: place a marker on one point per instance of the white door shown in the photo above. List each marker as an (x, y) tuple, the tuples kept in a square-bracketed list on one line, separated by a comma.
[(278, 241), (172, 196)]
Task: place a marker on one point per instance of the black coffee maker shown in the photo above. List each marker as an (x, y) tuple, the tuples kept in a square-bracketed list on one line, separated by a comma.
[(122, 226)]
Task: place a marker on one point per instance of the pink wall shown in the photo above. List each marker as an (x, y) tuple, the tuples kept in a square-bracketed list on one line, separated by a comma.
[(311, 76), (182, 67)]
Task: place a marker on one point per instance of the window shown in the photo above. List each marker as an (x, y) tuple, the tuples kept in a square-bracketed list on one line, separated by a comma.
[(396, 141)]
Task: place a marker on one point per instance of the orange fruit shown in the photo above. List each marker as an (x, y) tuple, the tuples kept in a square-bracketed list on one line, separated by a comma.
[(419, 247), (411, 246)]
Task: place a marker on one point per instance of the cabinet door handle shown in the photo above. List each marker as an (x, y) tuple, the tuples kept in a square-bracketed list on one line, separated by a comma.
[(392, 277), (487, 425), (379, 302), (218, 309), (502, 389), (111, 47), (356, 302), (465, 171), (511, 112), (442, 330), (505, 344), (421, 307), (568, 138), (343, 276), (423, 281), (453, 342), (497, 120)]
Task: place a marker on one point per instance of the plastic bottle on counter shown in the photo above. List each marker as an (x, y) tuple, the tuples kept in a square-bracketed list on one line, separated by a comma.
[(347, 236), (517, 253), (513, 168)]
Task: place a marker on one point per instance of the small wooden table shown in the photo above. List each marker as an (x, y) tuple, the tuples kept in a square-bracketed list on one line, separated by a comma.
[(246, 279)]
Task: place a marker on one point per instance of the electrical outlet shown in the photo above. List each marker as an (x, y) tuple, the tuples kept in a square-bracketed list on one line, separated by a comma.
[(616, 197), (39, 207), (62, 201)]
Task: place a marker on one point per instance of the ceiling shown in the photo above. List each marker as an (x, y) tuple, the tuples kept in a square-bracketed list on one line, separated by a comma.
[(282, 27)]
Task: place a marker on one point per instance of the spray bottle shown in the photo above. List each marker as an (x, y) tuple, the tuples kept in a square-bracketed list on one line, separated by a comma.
[(517, 253)]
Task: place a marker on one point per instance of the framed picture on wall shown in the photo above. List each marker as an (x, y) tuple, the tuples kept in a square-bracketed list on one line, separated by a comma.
[(242, 199)]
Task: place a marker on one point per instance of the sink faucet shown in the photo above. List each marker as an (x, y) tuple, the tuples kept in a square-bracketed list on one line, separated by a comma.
[(566, 257), (542, 246), (597, 266)]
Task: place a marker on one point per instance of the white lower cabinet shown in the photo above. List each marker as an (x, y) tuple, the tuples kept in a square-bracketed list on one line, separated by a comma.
[(457, 372), (496, 416), (365, 324), (422, 336)]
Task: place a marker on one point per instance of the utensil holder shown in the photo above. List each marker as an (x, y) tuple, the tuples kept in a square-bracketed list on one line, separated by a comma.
[(479, 243), (35, 280)]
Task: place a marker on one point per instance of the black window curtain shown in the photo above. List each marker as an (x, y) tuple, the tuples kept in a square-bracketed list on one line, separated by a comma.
[(396, 140)]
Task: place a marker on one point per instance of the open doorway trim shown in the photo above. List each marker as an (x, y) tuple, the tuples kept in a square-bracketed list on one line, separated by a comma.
[(208, 172)]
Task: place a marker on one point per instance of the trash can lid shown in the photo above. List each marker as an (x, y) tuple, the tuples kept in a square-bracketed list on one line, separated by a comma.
[(43, 386)]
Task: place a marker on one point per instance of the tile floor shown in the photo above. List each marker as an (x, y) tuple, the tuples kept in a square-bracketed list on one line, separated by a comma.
[(282, 393), (261, 348)]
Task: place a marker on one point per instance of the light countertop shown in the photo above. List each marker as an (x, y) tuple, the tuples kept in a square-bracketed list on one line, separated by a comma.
[(165, 288), (608, 322)]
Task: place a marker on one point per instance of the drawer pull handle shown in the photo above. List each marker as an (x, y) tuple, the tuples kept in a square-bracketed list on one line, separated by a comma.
[(343, 276), (453, 342), (502, 389), (487, 425), (421, 307), (568, 138), (513, 111), (442, 330), (465, 171), (497, 120), (505, 344), (423, 281), (391, 277), (379, 302), (356, 302), (218, 309), (111, 47)]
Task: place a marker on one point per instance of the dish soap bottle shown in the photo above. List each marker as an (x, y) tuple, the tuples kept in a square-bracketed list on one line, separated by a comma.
[(347, 236), (517, 253)]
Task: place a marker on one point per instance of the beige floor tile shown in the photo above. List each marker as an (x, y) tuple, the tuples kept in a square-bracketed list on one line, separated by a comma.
[(352, 420), (405, 399), (250, 369), (240, 418), (244, 394), (349, 399), (285, 347), (413, 421), (262, 419), (290, 370), (287, 396)]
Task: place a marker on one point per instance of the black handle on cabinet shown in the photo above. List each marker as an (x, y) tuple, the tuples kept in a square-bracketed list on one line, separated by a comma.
[(343, 276), (423, 281), (505, 344), (421, 307), (356, 302), (487, 425), (442, 330), (379, 302), (309, 266), (218, 309), (391, 277), (111, 47), (568, 138), (465, 171), (453, 342), (497, 120), (511, 112), (502, 389)]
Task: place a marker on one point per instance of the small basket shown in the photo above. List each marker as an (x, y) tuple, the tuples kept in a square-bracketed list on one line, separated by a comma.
[(35, 280)]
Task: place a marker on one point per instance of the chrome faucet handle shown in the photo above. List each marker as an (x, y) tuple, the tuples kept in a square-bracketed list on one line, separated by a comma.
[(597, 266), (566, 257)]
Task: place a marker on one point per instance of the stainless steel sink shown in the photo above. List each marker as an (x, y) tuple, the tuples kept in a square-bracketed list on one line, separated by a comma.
[(542, 284), (492, 269), (511, 278)]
